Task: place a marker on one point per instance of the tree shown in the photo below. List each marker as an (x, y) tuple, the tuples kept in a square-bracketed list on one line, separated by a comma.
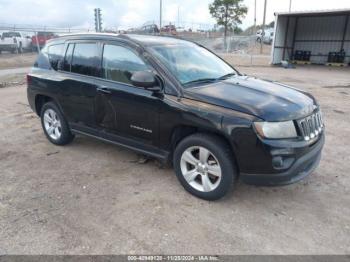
[(228, 13), (272, 24), (238, 30)]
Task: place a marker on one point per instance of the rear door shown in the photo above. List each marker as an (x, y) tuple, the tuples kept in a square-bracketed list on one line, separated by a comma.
[(78, 88), (123, 110)]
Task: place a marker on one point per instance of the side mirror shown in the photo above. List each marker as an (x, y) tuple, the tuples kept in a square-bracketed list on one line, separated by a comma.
[(146, 80)]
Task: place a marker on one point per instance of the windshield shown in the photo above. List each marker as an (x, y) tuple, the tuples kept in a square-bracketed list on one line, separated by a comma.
[(190, 62), (45, 34), (10, 34)]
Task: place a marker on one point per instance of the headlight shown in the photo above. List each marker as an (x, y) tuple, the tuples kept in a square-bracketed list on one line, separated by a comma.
[(276, 129)]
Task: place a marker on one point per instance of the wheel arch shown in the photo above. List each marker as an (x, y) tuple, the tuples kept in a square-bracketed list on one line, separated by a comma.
[(41, 100), (181, 132)]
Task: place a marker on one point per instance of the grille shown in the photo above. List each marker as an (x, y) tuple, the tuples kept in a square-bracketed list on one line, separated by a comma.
[(311, 126)]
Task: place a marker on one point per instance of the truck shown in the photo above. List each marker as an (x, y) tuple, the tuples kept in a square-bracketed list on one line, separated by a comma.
[(40, 39), (14, 42), (266, 37)]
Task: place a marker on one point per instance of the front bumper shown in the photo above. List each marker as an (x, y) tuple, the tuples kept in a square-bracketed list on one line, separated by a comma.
[(8, 47), (304, 165)]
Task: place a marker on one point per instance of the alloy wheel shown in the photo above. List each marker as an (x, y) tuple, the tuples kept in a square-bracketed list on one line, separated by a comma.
[(201, 169), (52, 124)]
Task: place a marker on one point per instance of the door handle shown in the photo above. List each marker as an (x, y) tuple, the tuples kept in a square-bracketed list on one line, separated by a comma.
[(104, 90)]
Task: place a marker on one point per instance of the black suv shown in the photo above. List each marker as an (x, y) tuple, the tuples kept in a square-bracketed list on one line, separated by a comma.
[(178, 102)]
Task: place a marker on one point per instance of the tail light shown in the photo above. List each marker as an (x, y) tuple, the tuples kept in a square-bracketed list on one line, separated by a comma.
[(29, 79)]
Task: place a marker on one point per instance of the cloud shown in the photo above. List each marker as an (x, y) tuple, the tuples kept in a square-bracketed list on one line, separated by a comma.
[(133, 13)]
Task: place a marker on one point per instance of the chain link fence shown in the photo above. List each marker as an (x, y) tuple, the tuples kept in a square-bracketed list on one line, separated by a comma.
[(29, 32), (240, 50)]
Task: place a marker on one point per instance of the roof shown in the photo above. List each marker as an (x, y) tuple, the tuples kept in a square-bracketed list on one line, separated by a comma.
[(327, 12), (156, 40), (145, 40)]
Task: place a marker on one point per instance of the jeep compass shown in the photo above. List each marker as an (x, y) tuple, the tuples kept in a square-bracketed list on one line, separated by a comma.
[(176, 101)]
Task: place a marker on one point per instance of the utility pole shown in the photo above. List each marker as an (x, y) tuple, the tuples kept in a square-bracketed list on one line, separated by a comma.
[(160, 16), (98, 20), (178, 16), (254, 17), (263, 28), (290, 6)]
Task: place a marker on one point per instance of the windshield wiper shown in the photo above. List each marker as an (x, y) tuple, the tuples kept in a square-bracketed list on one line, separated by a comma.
[(226, 76), (201, 80), (210, 80)]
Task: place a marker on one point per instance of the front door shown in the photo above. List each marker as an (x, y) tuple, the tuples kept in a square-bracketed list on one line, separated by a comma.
[(123, 110)]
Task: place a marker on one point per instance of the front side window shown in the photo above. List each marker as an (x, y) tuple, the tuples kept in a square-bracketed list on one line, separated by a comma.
[(85, 59), (68, 58), (119, 63), (55, 55), (190, 62)]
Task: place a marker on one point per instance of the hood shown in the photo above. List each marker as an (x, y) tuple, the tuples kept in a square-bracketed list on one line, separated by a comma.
[(267, 100)]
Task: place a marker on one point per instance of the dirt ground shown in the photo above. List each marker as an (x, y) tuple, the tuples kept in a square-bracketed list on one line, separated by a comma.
[(95, 198), (8, 60)]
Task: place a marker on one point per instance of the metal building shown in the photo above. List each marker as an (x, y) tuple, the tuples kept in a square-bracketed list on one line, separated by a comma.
[(318, 32)]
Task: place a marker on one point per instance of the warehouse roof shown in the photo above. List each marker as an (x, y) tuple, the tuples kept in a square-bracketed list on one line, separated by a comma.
[(315, 12)]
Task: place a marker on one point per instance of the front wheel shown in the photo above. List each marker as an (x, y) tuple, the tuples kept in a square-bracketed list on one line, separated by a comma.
[(204, 165), (55, 125)]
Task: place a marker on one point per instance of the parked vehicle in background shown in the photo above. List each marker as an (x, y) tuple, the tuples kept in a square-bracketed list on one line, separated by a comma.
[(147, 29), (14, 42), (178, 102), (180, 29), (170, 29), (266, 37), (40, 39)]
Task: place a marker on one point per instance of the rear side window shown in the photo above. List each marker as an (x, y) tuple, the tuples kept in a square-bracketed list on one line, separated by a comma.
[(119, 63), (43, 60), (85, 59), (55, 55)]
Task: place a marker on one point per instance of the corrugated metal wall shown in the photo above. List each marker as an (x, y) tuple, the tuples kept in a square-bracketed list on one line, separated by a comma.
[(318, 34)]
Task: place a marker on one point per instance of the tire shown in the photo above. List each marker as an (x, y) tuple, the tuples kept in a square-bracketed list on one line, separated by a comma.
[(217, 165), (20, 49), (58, 131)]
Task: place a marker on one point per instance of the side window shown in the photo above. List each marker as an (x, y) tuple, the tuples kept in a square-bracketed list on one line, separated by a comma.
[(85, 59), (68, 58), (119, 63), (55, 55)]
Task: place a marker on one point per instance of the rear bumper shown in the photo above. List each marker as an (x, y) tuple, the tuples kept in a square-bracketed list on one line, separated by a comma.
[(302, 167)]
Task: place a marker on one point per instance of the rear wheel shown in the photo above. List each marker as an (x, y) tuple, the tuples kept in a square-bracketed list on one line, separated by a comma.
[(55, 125), (204, 166)]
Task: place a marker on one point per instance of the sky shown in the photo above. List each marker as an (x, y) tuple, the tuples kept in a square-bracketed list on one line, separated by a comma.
[(124, 14)]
